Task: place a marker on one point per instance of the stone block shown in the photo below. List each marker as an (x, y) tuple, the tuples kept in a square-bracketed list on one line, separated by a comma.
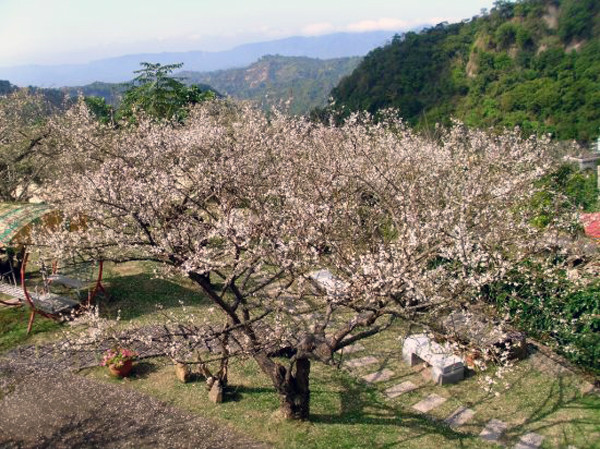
[(460, 416), (379, 376), (445, 378), (530, 441), (399, 389), (216, 392), (429, 403), (351, 349), (493, 430), (363, 361)]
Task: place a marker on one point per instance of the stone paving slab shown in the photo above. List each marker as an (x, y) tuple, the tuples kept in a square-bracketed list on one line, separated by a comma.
[(379, 376), (363, 361), (399, 389), (530, 441), (351, 349), (460, 416), (493, 430), (429, 403)]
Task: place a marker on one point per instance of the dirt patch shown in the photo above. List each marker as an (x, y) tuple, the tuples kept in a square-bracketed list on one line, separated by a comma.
[(574, 46), (551, 17), (45, 405), (69, 411)]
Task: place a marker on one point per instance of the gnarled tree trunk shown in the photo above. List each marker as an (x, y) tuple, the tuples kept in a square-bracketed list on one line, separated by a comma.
[(292, 385)]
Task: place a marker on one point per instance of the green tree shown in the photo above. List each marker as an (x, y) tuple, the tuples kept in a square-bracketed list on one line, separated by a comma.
[(6, 88), (97, 105), (155, 92)]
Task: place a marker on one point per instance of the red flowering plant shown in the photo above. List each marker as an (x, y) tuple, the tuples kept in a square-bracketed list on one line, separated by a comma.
[(118, 356)]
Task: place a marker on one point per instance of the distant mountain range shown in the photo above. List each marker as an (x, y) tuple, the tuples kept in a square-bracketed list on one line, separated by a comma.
[(121, 68)]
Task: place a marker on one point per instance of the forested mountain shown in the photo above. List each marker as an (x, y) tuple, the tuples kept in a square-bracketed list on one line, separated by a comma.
[(532, 63), (273, 80), (111, 92)]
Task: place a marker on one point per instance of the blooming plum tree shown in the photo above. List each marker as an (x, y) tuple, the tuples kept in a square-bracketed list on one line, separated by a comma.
[(249, 206), (22, 157)]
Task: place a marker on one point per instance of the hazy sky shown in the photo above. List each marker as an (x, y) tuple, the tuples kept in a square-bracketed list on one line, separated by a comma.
[(61, 31)]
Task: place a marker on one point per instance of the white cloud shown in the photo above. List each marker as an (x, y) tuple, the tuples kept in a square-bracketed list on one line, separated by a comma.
[(381, 24), (376, 25), (318, 28)]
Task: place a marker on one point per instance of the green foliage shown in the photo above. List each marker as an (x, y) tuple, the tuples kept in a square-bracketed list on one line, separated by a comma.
[(6, 87), (577, 19), (110, 92), (506, 34), (580, 188), (23, 161), (97, 105), (566, 187), (553, 311), (159, 95), (508, 68)]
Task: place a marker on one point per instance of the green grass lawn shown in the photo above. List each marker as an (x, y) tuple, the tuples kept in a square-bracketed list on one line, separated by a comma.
[(13, 327), (345, 412)]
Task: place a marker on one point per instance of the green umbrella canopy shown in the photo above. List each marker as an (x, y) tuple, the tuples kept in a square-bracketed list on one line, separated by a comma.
[(16, 221)]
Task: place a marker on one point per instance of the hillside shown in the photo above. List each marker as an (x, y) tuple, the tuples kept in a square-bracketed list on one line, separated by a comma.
[(533, 63), (120, 69), (272, 80)]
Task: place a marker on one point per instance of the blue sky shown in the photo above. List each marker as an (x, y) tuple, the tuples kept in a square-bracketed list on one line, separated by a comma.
[(63, 31)]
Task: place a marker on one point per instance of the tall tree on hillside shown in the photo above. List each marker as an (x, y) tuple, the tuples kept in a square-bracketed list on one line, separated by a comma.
[(160, 95), (249, 207)]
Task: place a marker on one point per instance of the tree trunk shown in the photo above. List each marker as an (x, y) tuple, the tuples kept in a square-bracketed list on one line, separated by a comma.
[(292, 385), (294, 392)]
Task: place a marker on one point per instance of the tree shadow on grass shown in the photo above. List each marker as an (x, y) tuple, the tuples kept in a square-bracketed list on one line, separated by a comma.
[(140, 294), (362, 404), (560, 397), (141, 370), (235, 393)]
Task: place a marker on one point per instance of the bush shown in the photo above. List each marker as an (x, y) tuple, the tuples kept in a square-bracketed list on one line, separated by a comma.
[(554, 312)]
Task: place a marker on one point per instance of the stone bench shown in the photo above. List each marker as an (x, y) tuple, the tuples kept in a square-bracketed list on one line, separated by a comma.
[(476, 330), (328, 283), (446, 367)]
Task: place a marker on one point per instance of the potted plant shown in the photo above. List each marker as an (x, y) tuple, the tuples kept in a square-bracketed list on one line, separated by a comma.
[(119, 361)]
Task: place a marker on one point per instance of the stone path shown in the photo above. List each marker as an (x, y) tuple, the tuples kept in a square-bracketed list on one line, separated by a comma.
[(493, 430), (399, 389), (530, 441), (459, 417), (357, 347), (363, 361), (379, 376), (429, 403)]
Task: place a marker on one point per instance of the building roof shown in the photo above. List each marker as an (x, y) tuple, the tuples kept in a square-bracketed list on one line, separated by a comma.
[(16, 218), (591, 224)]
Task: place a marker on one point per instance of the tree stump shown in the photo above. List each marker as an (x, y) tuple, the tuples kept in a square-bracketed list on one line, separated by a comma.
[(183, 372), (216, 392)]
